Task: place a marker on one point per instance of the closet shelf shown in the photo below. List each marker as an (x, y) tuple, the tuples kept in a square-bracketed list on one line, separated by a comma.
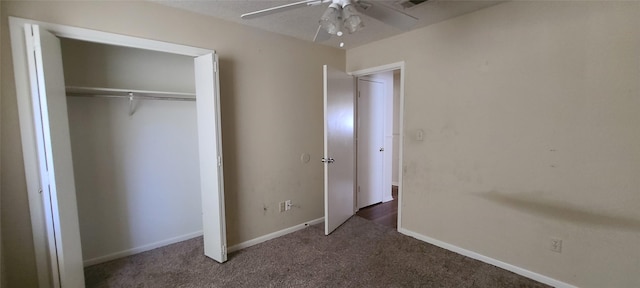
[(128, 93)]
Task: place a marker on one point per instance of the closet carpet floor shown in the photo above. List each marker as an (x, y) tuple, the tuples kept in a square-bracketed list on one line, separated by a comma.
[(360, 253)]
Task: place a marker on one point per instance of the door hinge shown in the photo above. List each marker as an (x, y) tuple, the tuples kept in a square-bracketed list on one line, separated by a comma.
[(31, 43), (219, 161), (215, 66), (224, 249)]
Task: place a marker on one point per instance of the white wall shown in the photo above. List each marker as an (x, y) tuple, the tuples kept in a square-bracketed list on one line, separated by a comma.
[(530, 111), (137, 177)]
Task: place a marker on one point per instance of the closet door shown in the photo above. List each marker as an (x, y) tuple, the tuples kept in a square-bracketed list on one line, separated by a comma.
[(210, 148), (57, 183)]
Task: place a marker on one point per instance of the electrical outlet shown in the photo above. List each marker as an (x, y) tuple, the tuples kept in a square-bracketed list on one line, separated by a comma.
[(556, 245), (287, 205), (282, 207)]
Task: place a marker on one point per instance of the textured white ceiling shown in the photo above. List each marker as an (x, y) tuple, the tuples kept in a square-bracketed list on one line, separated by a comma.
[(302, 23)]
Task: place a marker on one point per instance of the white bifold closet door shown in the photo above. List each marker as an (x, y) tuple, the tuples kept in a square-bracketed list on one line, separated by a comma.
[(210, 148), (56, 166)]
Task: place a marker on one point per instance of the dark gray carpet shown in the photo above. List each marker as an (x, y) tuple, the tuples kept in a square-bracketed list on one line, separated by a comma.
[(359, 254)]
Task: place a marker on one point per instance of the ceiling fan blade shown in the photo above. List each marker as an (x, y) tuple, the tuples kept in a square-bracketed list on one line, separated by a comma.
[(321, 35), (277, 9), (387, 15)]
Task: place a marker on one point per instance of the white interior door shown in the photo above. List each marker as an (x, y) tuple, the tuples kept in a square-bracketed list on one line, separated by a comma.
[(339, 148), (210, 148), (370, 142), (56, 166)]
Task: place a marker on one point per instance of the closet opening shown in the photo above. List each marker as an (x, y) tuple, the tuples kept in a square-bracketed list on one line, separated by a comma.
[(134, 143)]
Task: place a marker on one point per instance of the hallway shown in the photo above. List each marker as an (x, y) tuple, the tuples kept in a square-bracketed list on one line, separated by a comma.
[(383, 213)]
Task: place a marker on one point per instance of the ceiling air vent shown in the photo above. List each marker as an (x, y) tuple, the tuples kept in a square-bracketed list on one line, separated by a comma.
[(408, 4)]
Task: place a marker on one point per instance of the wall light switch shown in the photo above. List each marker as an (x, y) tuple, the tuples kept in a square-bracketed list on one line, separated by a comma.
[(287, 205)]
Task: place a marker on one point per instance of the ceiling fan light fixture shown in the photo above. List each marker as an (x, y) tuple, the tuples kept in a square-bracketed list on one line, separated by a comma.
[(352, 20), (331, 20)]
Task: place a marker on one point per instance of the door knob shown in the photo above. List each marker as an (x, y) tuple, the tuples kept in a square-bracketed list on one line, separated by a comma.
[(381, 149), (325, 160)]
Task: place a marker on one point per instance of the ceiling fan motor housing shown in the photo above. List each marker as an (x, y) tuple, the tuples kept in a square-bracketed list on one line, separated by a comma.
[(341, 14)]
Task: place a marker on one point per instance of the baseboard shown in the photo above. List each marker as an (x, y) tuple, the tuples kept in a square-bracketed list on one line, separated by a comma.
[(140, 249), (274, 235), (394, 184), (515, 269)]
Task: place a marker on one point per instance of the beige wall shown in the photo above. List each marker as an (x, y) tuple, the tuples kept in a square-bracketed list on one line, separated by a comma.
[(531, 113), (17, 242), (2, 278), (271, 92)]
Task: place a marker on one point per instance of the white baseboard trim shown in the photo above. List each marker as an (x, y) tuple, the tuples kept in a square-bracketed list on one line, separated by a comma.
[(515, 269), (140, 249), (387, 198), (394, 184), (274, 235)]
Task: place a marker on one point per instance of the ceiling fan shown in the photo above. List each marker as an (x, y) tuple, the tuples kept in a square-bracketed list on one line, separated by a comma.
[(343, 15)]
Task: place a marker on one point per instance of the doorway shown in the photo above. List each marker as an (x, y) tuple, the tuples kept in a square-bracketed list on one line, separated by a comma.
[(378, 105), (340, 142)]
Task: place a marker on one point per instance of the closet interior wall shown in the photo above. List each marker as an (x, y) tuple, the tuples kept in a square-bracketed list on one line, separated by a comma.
[(137, 176)]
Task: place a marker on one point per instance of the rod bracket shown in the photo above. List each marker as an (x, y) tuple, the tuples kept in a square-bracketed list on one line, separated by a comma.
[(130, 103)]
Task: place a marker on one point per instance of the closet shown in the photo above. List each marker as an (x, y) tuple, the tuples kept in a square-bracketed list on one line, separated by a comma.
[(134, 141), (121, 129)]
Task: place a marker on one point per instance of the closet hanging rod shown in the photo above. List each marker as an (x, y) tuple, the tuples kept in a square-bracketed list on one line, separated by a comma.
[(122, 93), (136, 97)]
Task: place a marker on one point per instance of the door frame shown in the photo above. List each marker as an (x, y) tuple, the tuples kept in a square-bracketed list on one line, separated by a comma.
[(385, 68), (39, 224)]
